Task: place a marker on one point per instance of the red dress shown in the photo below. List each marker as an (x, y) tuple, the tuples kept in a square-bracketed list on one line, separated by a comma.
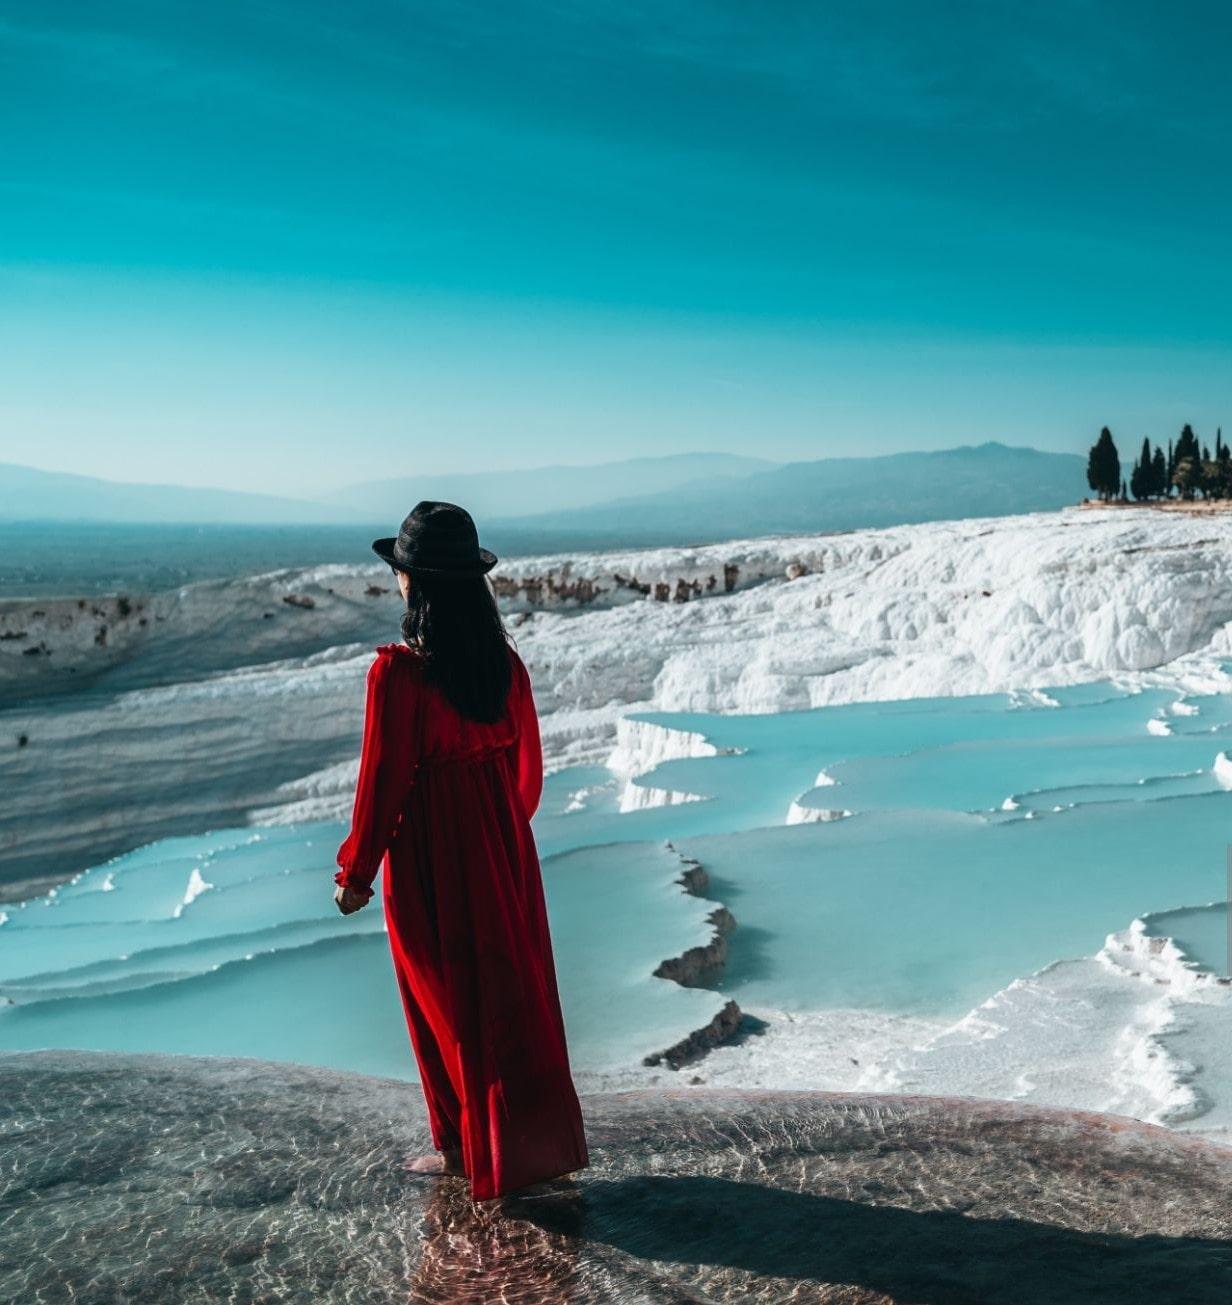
[(446, 803)]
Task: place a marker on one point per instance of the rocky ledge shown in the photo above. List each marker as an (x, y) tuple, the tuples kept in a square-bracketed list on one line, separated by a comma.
[(168, 1179), (699, 967)]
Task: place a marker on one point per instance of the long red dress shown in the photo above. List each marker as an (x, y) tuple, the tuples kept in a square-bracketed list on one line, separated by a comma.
[(445, 803)]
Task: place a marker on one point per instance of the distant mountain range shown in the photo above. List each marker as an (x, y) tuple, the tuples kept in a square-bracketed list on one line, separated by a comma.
[(27, 494), (684, 498), (831, 494), (30, 495), (511, 495)]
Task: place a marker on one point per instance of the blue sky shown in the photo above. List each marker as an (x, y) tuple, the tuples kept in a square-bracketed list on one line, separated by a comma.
[(281, 246)]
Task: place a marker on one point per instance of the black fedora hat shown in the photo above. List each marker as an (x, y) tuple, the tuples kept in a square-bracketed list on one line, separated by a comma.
[(438, 539)]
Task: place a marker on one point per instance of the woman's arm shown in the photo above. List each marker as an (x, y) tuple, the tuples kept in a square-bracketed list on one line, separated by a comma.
[(386, 771), (529, 749)]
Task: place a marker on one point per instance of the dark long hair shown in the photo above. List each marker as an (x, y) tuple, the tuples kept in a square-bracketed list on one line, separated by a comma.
[(457, 627)]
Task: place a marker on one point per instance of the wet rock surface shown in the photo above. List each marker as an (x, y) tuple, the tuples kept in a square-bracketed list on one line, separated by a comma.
[(700, 967), (174, 1179)]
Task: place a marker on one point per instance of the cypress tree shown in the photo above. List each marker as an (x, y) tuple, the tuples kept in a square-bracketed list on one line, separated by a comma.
[(1159, 475), (1141, 478), (1104, 466), (1187, 468), (1187, 444)]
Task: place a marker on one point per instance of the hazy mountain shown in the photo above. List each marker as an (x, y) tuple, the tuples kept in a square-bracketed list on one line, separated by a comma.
[(831, 494), (691, 497), (513, 494), (27, 494)]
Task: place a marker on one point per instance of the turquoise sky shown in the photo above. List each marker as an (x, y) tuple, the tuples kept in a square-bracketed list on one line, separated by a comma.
[(283, 245)]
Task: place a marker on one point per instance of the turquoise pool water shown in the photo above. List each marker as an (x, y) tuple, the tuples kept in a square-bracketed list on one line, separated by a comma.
[(932, 895)]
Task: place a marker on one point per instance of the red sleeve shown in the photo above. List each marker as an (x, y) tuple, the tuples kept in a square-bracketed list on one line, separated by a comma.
[(386, 771), (529, 749)]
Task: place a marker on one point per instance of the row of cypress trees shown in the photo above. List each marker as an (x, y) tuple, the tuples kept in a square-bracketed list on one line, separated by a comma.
[(1187, 467)]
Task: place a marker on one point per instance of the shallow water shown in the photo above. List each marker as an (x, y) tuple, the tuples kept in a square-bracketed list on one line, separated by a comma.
[(229, 944), (1199, 932), (725, 1197), (929, 912), (931, 897)]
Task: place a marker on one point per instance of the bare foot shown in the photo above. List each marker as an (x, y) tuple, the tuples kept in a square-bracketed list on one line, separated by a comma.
[(447, 1163)]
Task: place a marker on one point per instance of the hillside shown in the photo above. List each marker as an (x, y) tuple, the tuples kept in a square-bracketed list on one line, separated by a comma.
[(514, 495), (678, 499), (832, 494), (28, 494)]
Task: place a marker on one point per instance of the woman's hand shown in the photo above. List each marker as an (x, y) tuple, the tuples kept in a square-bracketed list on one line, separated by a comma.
[(348, 900)]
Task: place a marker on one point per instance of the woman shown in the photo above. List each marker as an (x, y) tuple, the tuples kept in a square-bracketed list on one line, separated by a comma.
[(450, 776)]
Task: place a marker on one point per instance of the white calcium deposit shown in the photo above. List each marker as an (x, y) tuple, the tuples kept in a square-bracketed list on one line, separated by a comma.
[(955, 608), (929, 610), (947, 608)]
